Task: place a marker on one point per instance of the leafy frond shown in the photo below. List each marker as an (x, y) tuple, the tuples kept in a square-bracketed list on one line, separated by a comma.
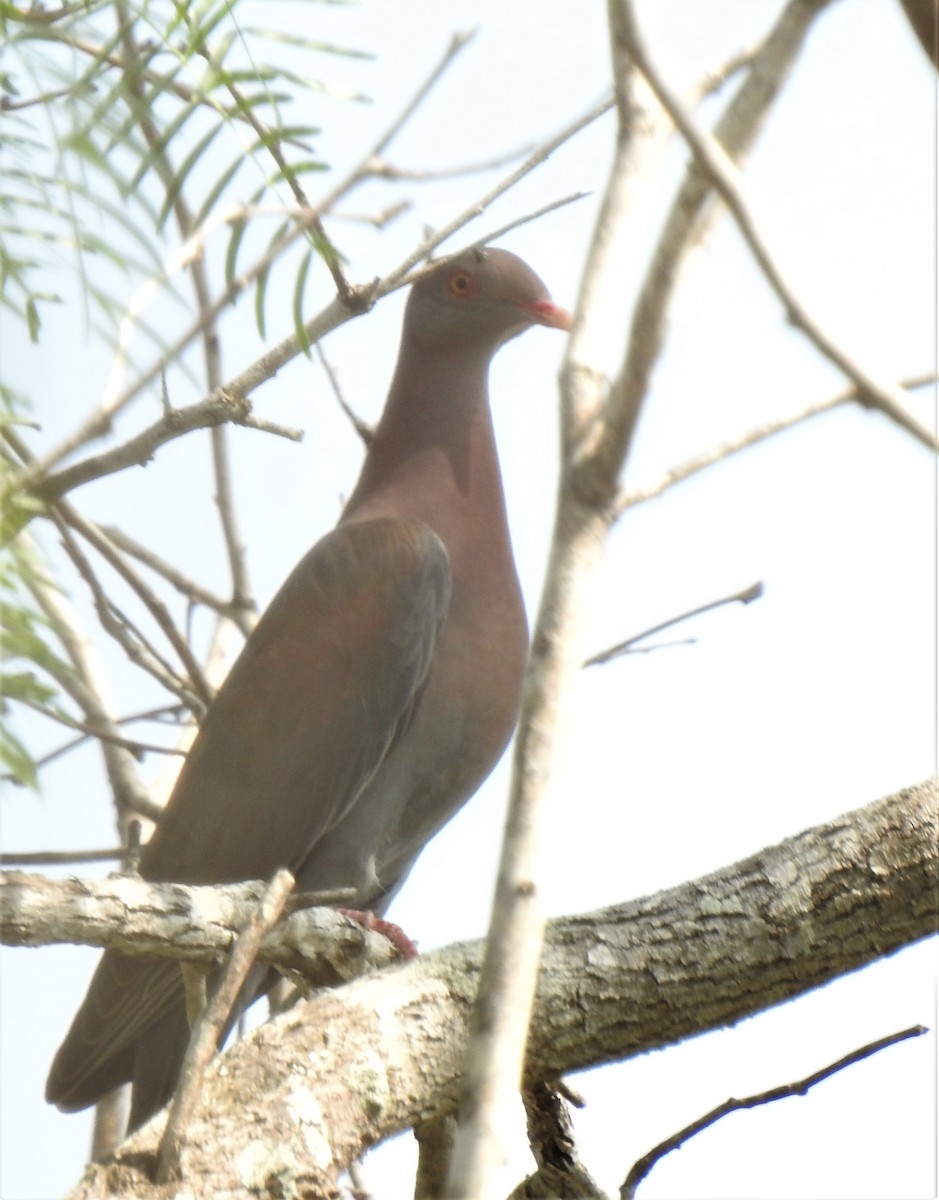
[(106, 125)]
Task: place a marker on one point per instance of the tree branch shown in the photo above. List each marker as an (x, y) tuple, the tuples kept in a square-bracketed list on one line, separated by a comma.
[(724, 178), (495, 1056), (306, 1093), (210, 1026), (631, 497), (641, 1168), (690, 219), (189, 923)]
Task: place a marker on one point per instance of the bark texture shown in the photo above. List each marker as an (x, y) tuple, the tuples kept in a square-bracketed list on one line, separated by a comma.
[(286, 1109)]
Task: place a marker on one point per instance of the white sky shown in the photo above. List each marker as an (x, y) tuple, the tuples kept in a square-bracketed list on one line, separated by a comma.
[(782, 715)]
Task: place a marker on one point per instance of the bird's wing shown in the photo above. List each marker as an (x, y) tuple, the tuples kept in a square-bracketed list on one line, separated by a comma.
[(325, 684), (322, 688)]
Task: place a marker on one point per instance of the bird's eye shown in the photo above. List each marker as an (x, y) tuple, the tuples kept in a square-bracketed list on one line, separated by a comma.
[(461, 285)]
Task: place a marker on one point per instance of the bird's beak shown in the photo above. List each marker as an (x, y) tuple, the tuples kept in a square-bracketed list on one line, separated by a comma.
[(546, 312)]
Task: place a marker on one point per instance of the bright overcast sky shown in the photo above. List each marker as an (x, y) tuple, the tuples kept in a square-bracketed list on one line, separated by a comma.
[(814, 701)]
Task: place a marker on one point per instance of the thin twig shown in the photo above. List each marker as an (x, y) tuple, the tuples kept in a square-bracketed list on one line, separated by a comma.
[(631, 497), (725, 179), (379, 220), (208, 1031), (644, 1165), (73, 743), (712, 81), (115, 623), (219, 408), (87, 686), (691, 218), (188, 587), (746, 596), (365, 167), (526, 219), (138, 749), (365, 431), (66, 517), (379, 169), (401, 274), (271, 143)]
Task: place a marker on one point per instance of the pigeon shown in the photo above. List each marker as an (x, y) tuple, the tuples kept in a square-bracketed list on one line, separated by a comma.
[(374, 696)]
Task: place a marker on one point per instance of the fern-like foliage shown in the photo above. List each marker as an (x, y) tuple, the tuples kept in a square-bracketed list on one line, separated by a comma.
[(136, 138), (116, 116)]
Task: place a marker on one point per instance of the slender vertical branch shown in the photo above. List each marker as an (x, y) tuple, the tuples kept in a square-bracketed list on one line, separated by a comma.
[(598, 421), (501, 1014)]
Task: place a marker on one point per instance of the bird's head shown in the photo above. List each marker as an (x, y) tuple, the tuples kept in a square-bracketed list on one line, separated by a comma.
[(479, 299)]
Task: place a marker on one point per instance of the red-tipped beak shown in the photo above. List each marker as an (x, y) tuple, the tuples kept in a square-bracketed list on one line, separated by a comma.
[(546, 312)]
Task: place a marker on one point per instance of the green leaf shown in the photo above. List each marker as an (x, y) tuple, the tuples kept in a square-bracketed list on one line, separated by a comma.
[(33, 322), (298, 290), (19, 763)]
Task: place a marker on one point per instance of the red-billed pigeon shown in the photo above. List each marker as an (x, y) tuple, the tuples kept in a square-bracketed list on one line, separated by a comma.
[(376, 693)]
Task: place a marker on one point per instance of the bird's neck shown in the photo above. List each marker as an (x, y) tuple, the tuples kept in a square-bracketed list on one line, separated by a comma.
[(434, 456)]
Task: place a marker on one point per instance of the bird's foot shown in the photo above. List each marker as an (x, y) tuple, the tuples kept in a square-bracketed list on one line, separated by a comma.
[(394, 933)]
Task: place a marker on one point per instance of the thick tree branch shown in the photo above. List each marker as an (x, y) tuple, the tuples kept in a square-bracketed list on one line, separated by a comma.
[(344, 1070), (192, 924)]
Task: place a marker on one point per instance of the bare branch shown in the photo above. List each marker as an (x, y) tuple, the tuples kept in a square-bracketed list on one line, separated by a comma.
[(644, 1165), (401, 274), (67, 518), (372, 160), (379, 169), (631, 497), (746, 596), (529, 217), (501, 1014), (194, 592), (715, 79), (209, 1029), (230, 403), (387, 1052), (194, 924), (551, 1136), (690, 218), (154, 714), (137, 748), (217, 409), (725, 178), (88, 688), (365, 431), (379, 220)]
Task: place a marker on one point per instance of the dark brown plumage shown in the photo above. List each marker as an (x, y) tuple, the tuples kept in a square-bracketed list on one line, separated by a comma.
[(376, 693)]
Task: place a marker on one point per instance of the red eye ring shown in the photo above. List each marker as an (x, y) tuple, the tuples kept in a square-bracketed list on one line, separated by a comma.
[(461, 284)]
